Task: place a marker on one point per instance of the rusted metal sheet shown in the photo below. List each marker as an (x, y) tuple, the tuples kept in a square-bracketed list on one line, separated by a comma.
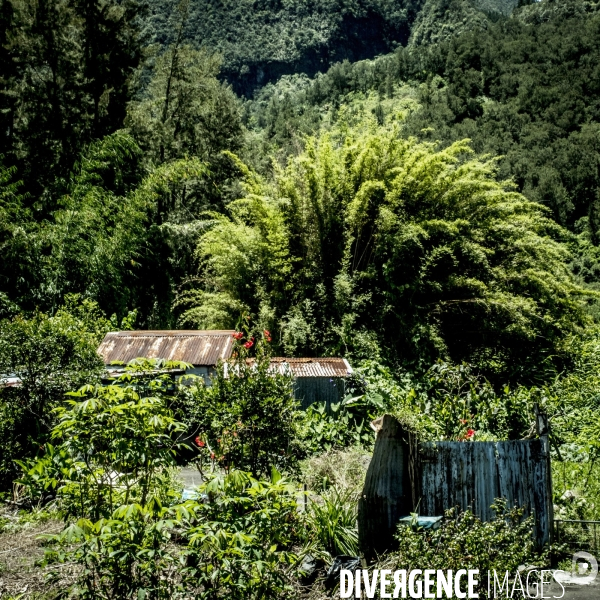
[(443, 475), (311, 367), (199, 348), (315, 379), (473, 474)]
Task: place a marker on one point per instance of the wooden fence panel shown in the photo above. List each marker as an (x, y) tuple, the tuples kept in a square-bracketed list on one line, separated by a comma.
[(473, 474), (429, 478)]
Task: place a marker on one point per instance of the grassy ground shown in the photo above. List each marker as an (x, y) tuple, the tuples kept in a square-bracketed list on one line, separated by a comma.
[(22, 573)]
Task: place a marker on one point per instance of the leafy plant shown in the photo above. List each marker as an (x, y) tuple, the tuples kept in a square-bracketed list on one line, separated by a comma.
[(343, 469), (113, 448), (48, 356), (242, 544), (465, 542), (320, 429), (246, 418), (110, 471), (331, 520), (127, 554)]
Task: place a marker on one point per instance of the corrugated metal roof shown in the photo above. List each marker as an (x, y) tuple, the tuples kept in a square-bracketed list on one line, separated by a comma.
[(312, 367), (200, 348), (10, 381)]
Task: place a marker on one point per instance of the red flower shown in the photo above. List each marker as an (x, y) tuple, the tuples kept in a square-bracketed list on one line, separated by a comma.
[(199, 442), (267, 334), (249, 343), (238, 335), (212, 455), (470, 433)]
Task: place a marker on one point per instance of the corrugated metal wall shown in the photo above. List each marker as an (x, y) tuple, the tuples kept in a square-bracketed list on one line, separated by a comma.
[(474, 474), (406, 476), (308, 390)]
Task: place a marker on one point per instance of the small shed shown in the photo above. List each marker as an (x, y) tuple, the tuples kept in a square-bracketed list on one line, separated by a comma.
[(316, 379), (202, 349)]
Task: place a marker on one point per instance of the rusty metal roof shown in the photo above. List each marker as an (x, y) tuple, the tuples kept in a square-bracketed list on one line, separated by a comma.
[(10, 381), (200, 348), (312, 367)]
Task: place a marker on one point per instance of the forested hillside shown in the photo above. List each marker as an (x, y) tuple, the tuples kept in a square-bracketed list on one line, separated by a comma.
[(260, 40), (411, 185), (115, 185), (523, 92)]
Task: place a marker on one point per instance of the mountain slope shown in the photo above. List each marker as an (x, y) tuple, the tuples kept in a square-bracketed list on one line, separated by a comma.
[(261, 40), (440, 20)]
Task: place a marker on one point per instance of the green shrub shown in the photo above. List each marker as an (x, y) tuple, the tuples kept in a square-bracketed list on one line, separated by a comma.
[(110, 470), (241, 545), (320, 430), (51, 355), (113, 447), (463, 541), (246, 418), (331, 521)]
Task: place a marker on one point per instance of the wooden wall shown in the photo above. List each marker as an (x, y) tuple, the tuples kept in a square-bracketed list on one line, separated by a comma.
[(430, 478)]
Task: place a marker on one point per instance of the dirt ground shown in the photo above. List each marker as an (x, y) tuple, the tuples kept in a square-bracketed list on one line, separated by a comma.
[(21, 551)]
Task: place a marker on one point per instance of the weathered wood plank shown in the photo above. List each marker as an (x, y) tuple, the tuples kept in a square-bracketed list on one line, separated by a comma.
[(467, 475), (386, 494)]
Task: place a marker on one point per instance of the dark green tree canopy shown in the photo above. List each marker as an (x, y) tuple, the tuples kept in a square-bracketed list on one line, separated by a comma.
[(367, 236)]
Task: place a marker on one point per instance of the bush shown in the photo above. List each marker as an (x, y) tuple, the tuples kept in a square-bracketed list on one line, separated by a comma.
[(50, 355), (320, 430), (241, 546), (246, 418), (110, 470), (465, 542), (125, 525)]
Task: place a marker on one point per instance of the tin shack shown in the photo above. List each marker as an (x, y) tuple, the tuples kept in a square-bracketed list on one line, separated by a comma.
[(202, 349), (315, 379)]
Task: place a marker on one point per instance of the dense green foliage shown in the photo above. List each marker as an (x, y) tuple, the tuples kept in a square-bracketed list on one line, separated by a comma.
[(464, 542), (375, 245), (49, 356), (524, 88), (110, 468), (67, 68), (245, 419), (263, 40)]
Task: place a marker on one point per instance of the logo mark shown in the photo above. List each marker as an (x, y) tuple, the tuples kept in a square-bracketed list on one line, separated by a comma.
[(584, 570)]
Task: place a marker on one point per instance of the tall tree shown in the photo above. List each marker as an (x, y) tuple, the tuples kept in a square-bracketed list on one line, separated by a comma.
[(186, 111), (70, 63), (366, 239), (111, 51)]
